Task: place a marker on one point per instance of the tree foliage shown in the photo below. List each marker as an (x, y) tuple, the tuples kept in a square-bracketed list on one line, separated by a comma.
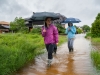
[(76, 26), (79, 31), (18, 25), (61, 29), (95, 30), (85, 28)]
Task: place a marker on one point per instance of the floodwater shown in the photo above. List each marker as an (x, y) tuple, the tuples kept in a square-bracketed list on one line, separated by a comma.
[(64, 63)]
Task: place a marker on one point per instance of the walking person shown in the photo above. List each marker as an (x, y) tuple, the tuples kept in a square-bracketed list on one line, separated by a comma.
[(70, 31), (50, 34)]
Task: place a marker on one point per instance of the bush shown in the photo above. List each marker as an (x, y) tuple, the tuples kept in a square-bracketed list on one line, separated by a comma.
[(18, 25), (88, 34), (95, 30), (24, 30), (61, 29), (85, 28), (36, 30), (79, 31)]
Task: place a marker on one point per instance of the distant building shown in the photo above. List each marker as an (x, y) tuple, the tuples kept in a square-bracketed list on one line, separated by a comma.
[(4, 26)]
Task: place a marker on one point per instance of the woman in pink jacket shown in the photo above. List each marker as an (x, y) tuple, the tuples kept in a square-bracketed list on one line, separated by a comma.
[(50, 34)]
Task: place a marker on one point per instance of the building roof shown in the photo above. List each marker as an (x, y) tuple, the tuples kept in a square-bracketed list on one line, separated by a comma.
[(4, 23)]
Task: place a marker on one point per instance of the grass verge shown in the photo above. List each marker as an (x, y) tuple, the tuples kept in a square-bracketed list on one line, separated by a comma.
[(18, 49), (95, 55)]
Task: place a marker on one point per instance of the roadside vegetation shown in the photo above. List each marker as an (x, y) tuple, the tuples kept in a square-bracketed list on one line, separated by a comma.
[(20, 46), (18, 49), (95, 39)]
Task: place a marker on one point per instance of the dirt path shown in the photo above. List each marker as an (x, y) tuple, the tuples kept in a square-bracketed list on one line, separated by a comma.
[(64, 63)]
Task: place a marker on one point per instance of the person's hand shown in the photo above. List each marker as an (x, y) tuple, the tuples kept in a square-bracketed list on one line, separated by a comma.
[(44, 30), (56, 43), (69, 29)]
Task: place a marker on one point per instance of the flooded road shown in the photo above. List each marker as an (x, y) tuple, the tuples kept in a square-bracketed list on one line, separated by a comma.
[(64, 63)]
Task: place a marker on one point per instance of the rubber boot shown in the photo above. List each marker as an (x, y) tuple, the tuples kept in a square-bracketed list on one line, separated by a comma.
[(69, 49), (49, 62)]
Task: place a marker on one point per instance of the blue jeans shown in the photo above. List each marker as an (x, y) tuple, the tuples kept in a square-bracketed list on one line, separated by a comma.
[(70, 43)]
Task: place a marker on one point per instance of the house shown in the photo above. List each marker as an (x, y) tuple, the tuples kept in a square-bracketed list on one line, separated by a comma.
[(31, 24), (4, 26)]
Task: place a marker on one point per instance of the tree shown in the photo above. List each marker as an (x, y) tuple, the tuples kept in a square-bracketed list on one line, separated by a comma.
[(61, 29), (18, 25), (86, 28), (13, 27), (95, 30), (76, 29), (76, 26), (98, 16), (79, 31)]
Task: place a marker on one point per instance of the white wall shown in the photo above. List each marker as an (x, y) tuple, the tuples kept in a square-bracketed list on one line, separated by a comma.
[(66, 25)]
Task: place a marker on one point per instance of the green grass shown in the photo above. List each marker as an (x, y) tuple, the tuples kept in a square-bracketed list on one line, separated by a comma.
[(95, 55), (96, 40), (18, 49), (88, 34), (62, 39)]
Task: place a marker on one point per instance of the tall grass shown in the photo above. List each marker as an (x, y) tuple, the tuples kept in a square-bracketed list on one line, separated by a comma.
[(18, 49), (95, 55), (96, 40)]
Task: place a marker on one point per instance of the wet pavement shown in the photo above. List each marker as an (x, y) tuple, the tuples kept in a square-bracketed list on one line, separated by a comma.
[(64, 63)]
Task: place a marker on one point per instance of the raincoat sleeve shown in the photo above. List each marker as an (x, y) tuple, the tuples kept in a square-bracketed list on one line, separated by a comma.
[(43, 33), (55, 33), (73, 30)]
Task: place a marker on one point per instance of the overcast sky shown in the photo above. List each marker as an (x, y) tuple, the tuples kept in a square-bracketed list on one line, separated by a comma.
[(85, 10)]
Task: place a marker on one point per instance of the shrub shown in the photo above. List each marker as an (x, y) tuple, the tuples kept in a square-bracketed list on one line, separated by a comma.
[(61, 29), (88, 34), (36, 30), (95, 30)]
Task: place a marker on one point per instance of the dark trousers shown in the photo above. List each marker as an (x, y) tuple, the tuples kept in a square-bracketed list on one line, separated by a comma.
[(50, 49), (55, 48)]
